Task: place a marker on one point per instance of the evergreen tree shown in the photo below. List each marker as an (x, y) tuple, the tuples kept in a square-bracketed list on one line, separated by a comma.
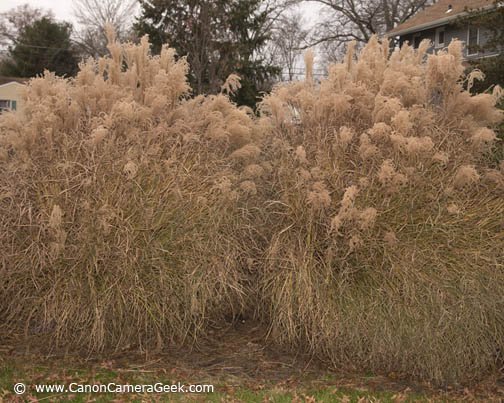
[(43, 45), (13, 21), (218, 37)]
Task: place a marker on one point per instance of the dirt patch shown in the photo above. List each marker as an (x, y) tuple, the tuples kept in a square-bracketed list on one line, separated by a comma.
[(236, 356), (237, 350)]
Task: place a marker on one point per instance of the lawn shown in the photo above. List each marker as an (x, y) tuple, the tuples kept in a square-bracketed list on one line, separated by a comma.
[(233, 389), (235, 361)]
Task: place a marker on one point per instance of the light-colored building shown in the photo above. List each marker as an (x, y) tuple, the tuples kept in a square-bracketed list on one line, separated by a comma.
[(11, 94)]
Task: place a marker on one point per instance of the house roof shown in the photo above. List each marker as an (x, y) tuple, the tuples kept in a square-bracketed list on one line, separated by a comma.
[(7, 80), (436, 15), (11, 84)]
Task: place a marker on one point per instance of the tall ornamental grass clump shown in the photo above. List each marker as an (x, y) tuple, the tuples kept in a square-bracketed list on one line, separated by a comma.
[(387, 234), (361, 218), (123, 205)]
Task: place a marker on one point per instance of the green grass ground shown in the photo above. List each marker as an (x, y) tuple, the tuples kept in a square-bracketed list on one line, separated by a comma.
[(323, 390), (236, 362), (227, 388)]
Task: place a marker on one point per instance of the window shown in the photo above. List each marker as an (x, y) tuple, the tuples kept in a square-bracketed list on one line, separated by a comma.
[(6, 105), (472, 40), (440, 37), (416, 40)]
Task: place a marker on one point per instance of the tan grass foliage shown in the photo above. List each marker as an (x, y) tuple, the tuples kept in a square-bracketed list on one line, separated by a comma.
[(403, 269), (111, 231), (360, 218)]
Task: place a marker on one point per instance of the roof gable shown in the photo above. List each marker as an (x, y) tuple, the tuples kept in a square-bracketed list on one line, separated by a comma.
[(11, 83), (8, 80), (437, 14)]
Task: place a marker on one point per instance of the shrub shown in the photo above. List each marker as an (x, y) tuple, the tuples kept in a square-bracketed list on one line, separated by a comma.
[(387, 252), (360, 218), (121, 208)]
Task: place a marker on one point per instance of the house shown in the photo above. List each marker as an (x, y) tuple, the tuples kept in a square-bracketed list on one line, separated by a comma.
[(441, 23), (11, 93)]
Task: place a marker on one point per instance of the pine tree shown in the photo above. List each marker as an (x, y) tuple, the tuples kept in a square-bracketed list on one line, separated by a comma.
[(43, 45), (218, 37)]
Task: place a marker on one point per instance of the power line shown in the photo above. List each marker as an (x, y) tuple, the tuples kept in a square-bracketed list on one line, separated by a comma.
[(27, 45), (38, 47)]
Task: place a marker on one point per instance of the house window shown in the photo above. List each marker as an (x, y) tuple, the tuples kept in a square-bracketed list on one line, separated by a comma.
[(472, 40), (440, 37), (416, 40), (7, 105)]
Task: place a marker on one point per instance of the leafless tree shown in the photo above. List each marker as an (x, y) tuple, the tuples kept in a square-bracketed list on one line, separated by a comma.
[(276, 10), (346, 20), (93, 15), (289, 36)]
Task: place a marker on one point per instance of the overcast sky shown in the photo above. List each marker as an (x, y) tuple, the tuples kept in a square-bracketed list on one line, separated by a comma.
[(62, 9)]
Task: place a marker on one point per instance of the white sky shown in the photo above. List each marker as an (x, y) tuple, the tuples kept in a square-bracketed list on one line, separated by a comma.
[(62, 9)]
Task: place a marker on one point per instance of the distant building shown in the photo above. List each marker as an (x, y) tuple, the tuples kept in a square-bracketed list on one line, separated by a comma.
[(440, 23), (11, 93)]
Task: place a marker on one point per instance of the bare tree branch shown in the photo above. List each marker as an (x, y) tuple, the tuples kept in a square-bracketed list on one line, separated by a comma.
[(93, 15), (345, 20), (341, 21), (287, 42)]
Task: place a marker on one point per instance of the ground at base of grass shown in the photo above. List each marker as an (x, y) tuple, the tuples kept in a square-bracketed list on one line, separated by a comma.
[(235, 361)]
